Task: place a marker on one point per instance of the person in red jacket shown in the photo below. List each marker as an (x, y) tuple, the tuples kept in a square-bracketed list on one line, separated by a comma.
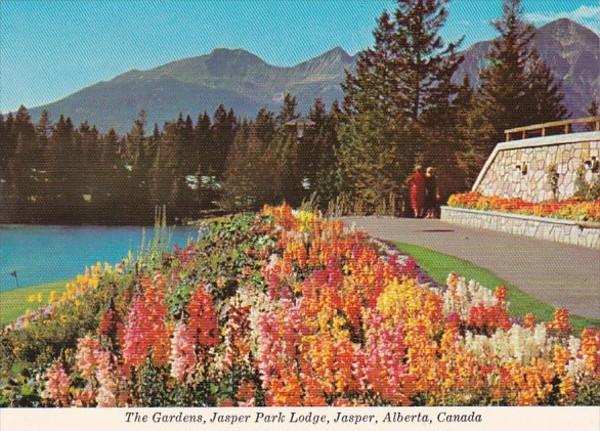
[(417, 191)]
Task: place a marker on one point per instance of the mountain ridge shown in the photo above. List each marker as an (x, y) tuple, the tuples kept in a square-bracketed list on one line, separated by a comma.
[(243, 81)]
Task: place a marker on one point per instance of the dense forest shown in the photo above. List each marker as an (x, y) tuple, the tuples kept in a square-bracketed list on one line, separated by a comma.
[(57, 173), (401, 106)]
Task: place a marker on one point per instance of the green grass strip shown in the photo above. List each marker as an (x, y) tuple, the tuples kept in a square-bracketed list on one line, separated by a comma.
[(13, 303), (439, 265)]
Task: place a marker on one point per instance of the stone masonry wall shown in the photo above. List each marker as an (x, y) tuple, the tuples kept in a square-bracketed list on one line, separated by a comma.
[(564, 231), (501, 178)]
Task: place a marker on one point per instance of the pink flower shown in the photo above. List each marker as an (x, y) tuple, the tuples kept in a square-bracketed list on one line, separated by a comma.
[(85, 359), (183, 354), (146, 330), (107, 390), (57, 384)]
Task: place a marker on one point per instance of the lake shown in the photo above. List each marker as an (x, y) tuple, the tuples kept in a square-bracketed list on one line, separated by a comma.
[(41, 254)]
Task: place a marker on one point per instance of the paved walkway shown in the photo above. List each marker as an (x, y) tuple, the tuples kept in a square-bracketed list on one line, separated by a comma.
[(560, 274)]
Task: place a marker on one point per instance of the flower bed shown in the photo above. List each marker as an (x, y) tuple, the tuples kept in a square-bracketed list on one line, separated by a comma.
[(570, 209), (286, 308)]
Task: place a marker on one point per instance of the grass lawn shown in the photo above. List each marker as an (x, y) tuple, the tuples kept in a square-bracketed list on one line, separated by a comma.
[(13, 303), (439, 265)]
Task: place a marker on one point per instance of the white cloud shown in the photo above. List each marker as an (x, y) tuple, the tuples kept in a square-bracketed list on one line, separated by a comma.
[(588, 16)]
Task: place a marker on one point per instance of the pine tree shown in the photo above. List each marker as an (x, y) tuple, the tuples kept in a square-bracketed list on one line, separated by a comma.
[(288, 110), (318, 152), (44, 126), (286, 149), (408, 72), (251, 176), (134, 155), (400, 98), (516, 89), (468, 127), (544, 100), (222, 132), (592, 111), (240, 192), (4, 204), (371, 165), (134, 141), (23, 183)]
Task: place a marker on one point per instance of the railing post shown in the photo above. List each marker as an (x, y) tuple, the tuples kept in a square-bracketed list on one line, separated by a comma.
[(597, 126), (543, 131)]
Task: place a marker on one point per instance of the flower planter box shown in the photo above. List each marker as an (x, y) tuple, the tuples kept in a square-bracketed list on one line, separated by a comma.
[(583, 234)]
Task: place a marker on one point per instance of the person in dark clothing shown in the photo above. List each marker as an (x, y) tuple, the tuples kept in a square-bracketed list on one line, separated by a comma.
[(432, 193)]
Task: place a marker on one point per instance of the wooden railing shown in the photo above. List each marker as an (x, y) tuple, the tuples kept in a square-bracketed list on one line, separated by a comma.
[(564, 126)]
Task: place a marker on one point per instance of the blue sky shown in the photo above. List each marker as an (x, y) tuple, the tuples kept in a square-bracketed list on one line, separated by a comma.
[(51, 48)]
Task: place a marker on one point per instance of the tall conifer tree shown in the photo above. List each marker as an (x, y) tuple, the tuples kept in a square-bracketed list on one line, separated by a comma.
[(516, 89), (397, 100)]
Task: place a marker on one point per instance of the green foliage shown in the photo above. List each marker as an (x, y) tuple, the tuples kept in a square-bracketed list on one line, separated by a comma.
[(408, 54), (20, 388), (13, 303), (269, 163), (227, 256), (399, 105), (552, 177), (371, 160), (582, 188), (588, 395), (589, 191), (517, 88)]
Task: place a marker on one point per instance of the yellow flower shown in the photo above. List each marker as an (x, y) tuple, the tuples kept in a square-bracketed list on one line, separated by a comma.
[(53, 296)]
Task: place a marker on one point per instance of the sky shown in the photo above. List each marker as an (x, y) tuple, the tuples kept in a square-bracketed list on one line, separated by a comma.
[(51, 48)]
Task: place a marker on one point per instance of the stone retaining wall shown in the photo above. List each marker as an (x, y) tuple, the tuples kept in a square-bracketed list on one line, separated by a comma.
[(500, 177), (564, 231)]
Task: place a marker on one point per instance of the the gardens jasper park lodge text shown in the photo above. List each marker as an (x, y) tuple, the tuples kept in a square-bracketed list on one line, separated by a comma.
[(317, 417)]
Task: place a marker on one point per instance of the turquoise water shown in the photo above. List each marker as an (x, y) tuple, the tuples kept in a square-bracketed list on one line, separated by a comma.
[(41, 254)]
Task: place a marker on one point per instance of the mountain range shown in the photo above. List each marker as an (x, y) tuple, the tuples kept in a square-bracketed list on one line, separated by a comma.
[(243, 81)]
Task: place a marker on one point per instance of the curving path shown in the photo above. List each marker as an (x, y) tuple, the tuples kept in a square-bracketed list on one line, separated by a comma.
[(559, 274)]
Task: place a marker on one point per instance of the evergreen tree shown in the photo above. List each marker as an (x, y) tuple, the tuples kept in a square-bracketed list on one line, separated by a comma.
[(163, 173), (544, 100), (516, 89), (471, 153), (222, 132), (4, 204), (400, 99), (252, 177), (58, 162), (318, 153), (592, 111), (202, 138), (134, 155), (286, 149), (370, 161), (23, 188), (133, 151), (408, 72), (44, 126), (288, 110)]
